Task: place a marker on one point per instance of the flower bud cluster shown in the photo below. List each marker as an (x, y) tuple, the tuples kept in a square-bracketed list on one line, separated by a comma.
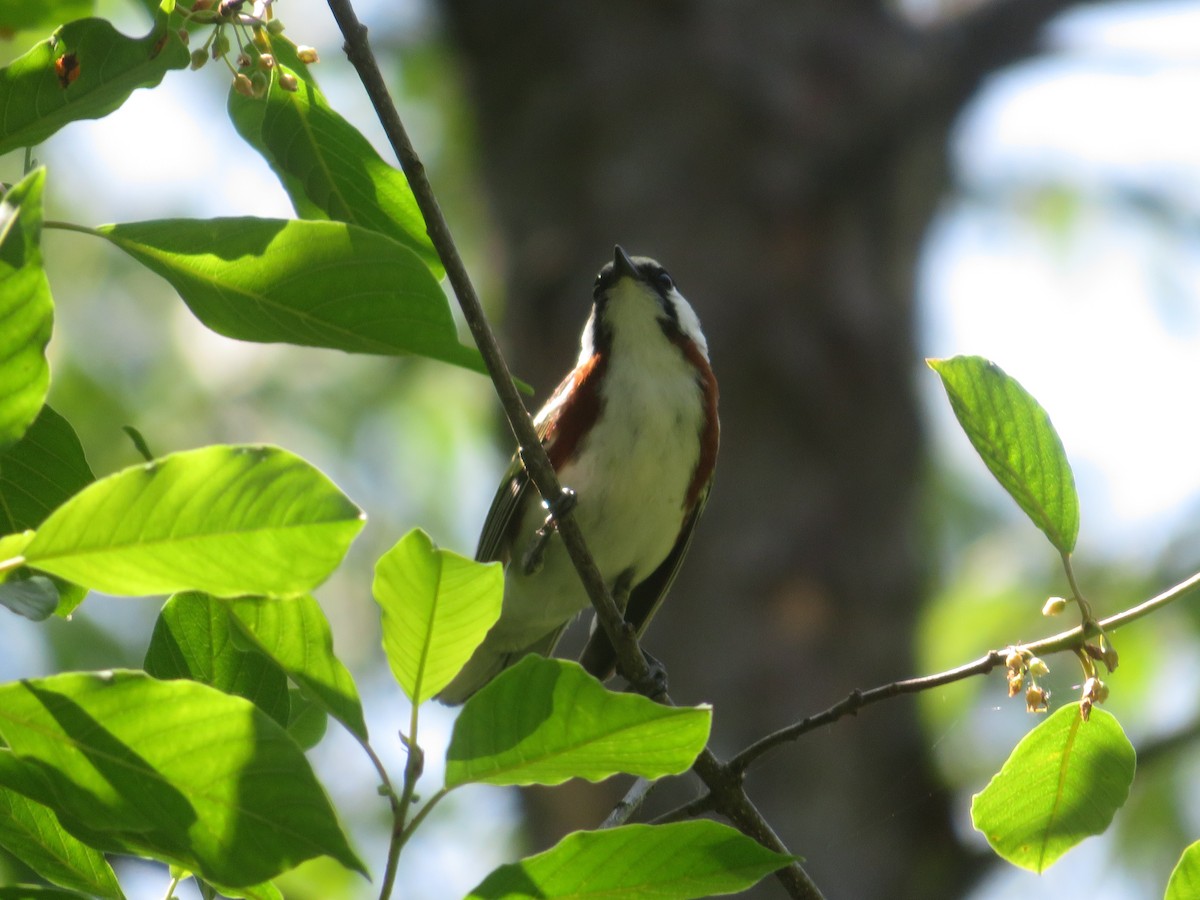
[(251, 25), (1020, 665)]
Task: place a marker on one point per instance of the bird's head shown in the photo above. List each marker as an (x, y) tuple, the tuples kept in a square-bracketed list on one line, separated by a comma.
[(635, 298)]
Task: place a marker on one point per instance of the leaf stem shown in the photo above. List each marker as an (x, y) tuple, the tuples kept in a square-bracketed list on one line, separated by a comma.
[(9, 565)]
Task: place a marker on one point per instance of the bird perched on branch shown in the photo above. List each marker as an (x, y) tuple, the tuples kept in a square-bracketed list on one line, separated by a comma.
[(633, 430)]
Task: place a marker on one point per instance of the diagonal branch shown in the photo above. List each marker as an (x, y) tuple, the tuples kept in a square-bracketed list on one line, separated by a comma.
[(731, 801), (1072, 639)]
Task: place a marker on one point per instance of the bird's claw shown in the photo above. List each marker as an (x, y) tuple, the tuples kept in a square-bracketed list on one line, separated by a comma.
[(654, 684), (534, 556)]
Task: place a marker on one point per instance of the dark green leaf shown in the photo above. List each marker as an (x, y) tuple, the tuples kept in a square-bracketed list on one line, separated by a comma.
[(315, 284), (173, 770), (32, 892), (546, 720), (296, 634), (651, 862), (194, 638), (227, 520), (1063, 782), (1185, 879), (22, 15), (437, 607), (85, 70), (32, 833), (1017, 442), (34, 598), (328, 168), (40, 472), (26, 309)]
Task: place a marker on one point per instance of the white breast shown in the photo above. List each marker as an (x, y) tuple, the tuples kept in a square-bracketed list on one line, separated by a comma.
[(631, 473)]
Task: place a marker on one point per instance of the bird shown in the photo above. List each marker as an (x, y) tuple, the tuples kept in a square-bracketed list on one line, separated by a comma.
[(633, 432)]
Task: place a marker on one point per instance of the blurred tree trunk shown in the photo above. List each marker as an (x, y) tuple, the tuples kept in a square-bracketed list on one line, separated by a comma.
[(783, 160)]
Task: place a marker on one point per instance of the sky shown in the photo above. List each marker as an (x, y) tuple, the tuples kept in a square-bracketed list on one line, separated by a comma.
[(1085, 298)]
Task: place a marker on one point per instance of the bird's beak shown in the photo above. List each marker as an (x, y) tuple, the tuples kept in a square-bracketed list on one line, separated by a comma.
[(623, 265)]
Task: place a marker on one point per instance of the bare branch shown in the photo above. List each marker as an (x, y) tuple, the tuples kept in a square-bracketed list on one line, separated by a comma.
[(1067, 640)]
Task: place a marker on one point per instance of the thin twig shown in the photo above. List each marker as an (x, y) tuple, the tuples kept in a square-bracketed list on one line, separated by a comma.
[(1067, 640), (732, 801), (629, 804)]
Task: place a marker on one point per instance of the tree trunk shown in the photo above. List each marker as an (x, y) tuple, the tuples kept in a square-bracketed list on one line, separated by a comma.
[(782, 159)]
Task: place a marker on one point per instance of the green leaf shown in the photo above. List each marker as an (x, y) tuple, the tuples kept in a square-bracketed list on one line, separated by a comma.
[(296, 634), (194, 638), (21, 15), (316, 284), (307, 721), (226, 520), (546, 720), (264, 891), (437, 607), (37, 474), (40, 472), (1063, 782), (672, 862), (328, 168), (32, 833), (26, 308), (33, 892), (173, 770), (34, 598), (85, 70), (1017, 442), (1185, 879)]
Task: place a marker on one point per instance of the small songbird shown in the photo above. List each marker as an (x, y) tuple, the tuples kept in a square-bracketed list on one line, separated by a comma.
[(633, 430)]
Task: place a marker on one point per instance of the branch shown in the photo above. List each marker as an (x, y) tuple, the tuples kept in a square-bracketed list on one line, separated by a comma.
[(731, 800), (856, 700), (533, 455)]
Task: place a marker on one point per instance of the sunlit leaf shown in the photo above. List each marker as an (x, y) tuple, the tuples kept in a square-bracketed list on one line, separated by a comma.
[(1063, 782), (226, 520), (437, 607), (546, 720), (315, 284), (26, 309), (1185, 879), (85, 70), (1016, 440), (174, 770), (194, 638), (652, 862), (31, 832), (328, 168), (296, 634)]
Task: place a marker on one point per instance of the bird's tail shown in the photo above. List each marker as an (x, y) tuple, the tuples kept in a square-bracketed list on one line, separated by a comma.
[(488, 661)]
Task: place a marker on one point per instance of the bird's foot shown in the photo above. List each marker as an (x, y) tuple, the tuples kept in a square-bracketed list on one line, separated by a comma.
[(535, 553)]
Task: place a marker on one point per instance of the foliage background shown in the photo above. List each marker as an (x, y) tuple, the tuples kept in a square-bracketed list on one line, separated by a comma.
[(1030, 240)]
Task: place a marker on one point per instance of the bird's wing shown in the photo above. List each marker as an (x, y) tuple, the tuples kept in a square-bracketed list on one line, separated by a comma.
[(495, 538), (599, 657)]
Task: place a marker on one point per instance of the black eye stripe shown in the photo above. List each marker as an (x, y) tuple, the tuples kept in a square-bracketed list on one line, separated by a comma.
[(648, 270)]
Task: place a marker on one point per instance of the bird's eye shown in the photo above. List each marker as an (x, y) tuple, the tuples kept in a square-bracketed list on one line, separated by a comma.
[(663, 280)]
